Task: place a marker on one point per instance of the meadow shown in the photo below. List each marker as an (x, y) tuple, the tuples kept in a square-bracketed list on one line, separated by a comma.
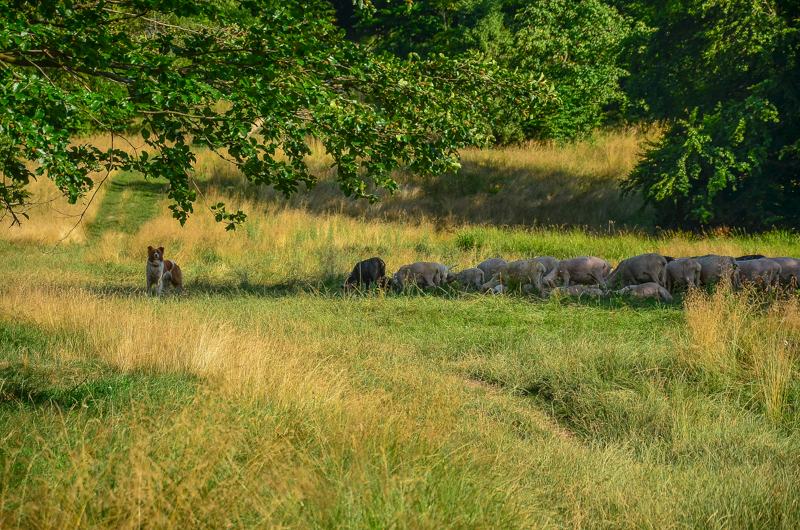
[(264, 397)]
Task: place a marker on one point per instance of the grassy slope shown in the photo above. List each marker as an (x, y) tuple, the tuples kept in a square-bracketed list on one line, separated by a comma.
[(532, 185), (263, 397)]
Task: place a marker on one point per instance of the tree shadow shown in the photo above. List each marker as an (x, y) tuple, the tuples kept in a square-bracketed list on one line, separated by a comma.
[(480, 193), (78, 386)]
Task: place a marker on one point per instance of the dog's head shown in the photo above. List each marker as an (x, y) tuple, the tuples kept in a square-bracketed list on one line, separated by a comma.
[(155, 254)]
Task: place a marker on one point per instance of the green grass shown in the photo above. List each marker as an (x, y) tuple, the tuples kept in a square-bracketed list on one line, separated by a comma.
[(646, 442), (130, 201), (263, 397)]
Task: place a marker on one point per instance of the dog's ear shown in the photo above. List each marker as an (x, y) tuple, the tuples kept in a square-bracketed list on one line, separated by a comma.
[(161, 249), (149, 249)]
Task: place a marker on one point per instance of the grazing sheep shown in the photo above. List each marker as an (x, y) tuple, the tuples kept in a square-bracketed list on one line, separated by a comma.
[(499, 289), (385, 284), (715, 268), (683, 271), (368, 271), (790, 271), (647, 290), (444, 273), (549, 263), (761, 272), (490, 266), (422, 272), (643, 268), (469, 278), (585, 270), (576, 290), (517, 273)]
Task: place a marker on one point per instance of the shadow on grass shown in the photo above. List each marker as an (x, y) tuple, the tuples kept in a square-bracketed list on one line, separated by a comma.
[(81, 385), (478, 194), (31, 377), (330, 288)]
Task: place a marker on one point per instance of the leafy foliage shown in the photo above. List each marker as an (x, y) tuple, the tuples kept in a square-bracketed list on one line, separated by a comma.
[(725, 76), (245, 79), (575, 44)]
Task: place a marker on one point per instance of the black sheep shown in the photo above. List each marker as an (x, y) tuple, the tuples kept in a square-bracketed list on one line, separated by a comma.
[(369, 271)]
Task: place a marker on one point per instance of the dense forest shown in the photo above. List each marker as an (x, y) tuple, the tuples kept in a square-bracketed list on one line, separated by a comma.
[(390, 84)]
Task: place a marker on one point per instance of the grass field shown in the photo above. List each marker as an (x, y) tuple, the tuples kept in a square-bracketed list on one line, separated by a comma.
[(263, 397)]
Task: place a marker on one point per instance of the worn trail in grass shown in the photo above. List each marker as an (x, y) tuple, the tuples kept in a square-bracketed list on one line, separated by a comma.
[(130, 201)]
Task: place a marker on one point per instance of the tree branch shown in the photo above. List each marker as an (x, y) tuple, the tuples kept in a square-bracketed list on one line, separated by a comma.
[(21, 59)]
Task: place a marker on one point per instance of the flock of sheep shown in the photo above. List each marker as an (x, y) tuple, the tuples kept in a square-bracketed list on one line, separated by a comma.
[(644, 276)]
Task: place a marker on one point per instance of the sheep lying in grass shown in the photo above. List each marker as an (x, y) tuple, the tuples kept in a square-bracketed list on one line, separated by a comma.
[(647, 290), (517, 274), (682, 271), (643, 268), (423, 273), (585, 270), (575, 290)]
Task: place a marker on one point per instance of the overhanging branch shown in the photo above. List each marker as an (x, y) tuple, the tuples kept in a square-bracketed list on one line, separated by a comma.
[(19, 59)]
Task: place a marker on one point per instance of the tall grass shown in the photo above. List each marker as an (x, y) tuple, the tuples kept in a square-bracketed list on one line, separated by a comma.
[(263, 397), (745, 338), (52, 220), (539, 184)]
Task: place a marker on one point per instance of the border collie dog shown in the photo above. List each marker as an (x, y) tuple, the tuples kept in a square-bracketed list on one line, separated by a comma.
[(162, 272)]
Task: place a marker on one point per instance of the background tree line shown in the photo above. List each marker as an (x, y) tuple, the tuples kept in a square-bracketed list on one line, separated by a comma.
[(722, 76), (425, 78)]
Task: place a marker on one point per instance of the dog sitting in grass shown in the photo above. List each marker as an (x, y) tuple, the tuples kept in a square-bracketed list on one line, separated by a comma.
[(162, 272)]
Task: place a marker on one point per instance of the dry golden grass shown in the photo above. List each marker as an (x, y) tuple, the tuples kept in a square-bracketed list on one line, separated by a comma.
[(609, 156), (532, 185), (52, 218), (263, 362), (729, 333)]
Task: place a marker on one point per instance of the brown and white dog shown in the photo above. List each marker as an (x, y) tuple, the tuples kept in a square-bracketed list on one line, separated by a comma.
[(162, 272)]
